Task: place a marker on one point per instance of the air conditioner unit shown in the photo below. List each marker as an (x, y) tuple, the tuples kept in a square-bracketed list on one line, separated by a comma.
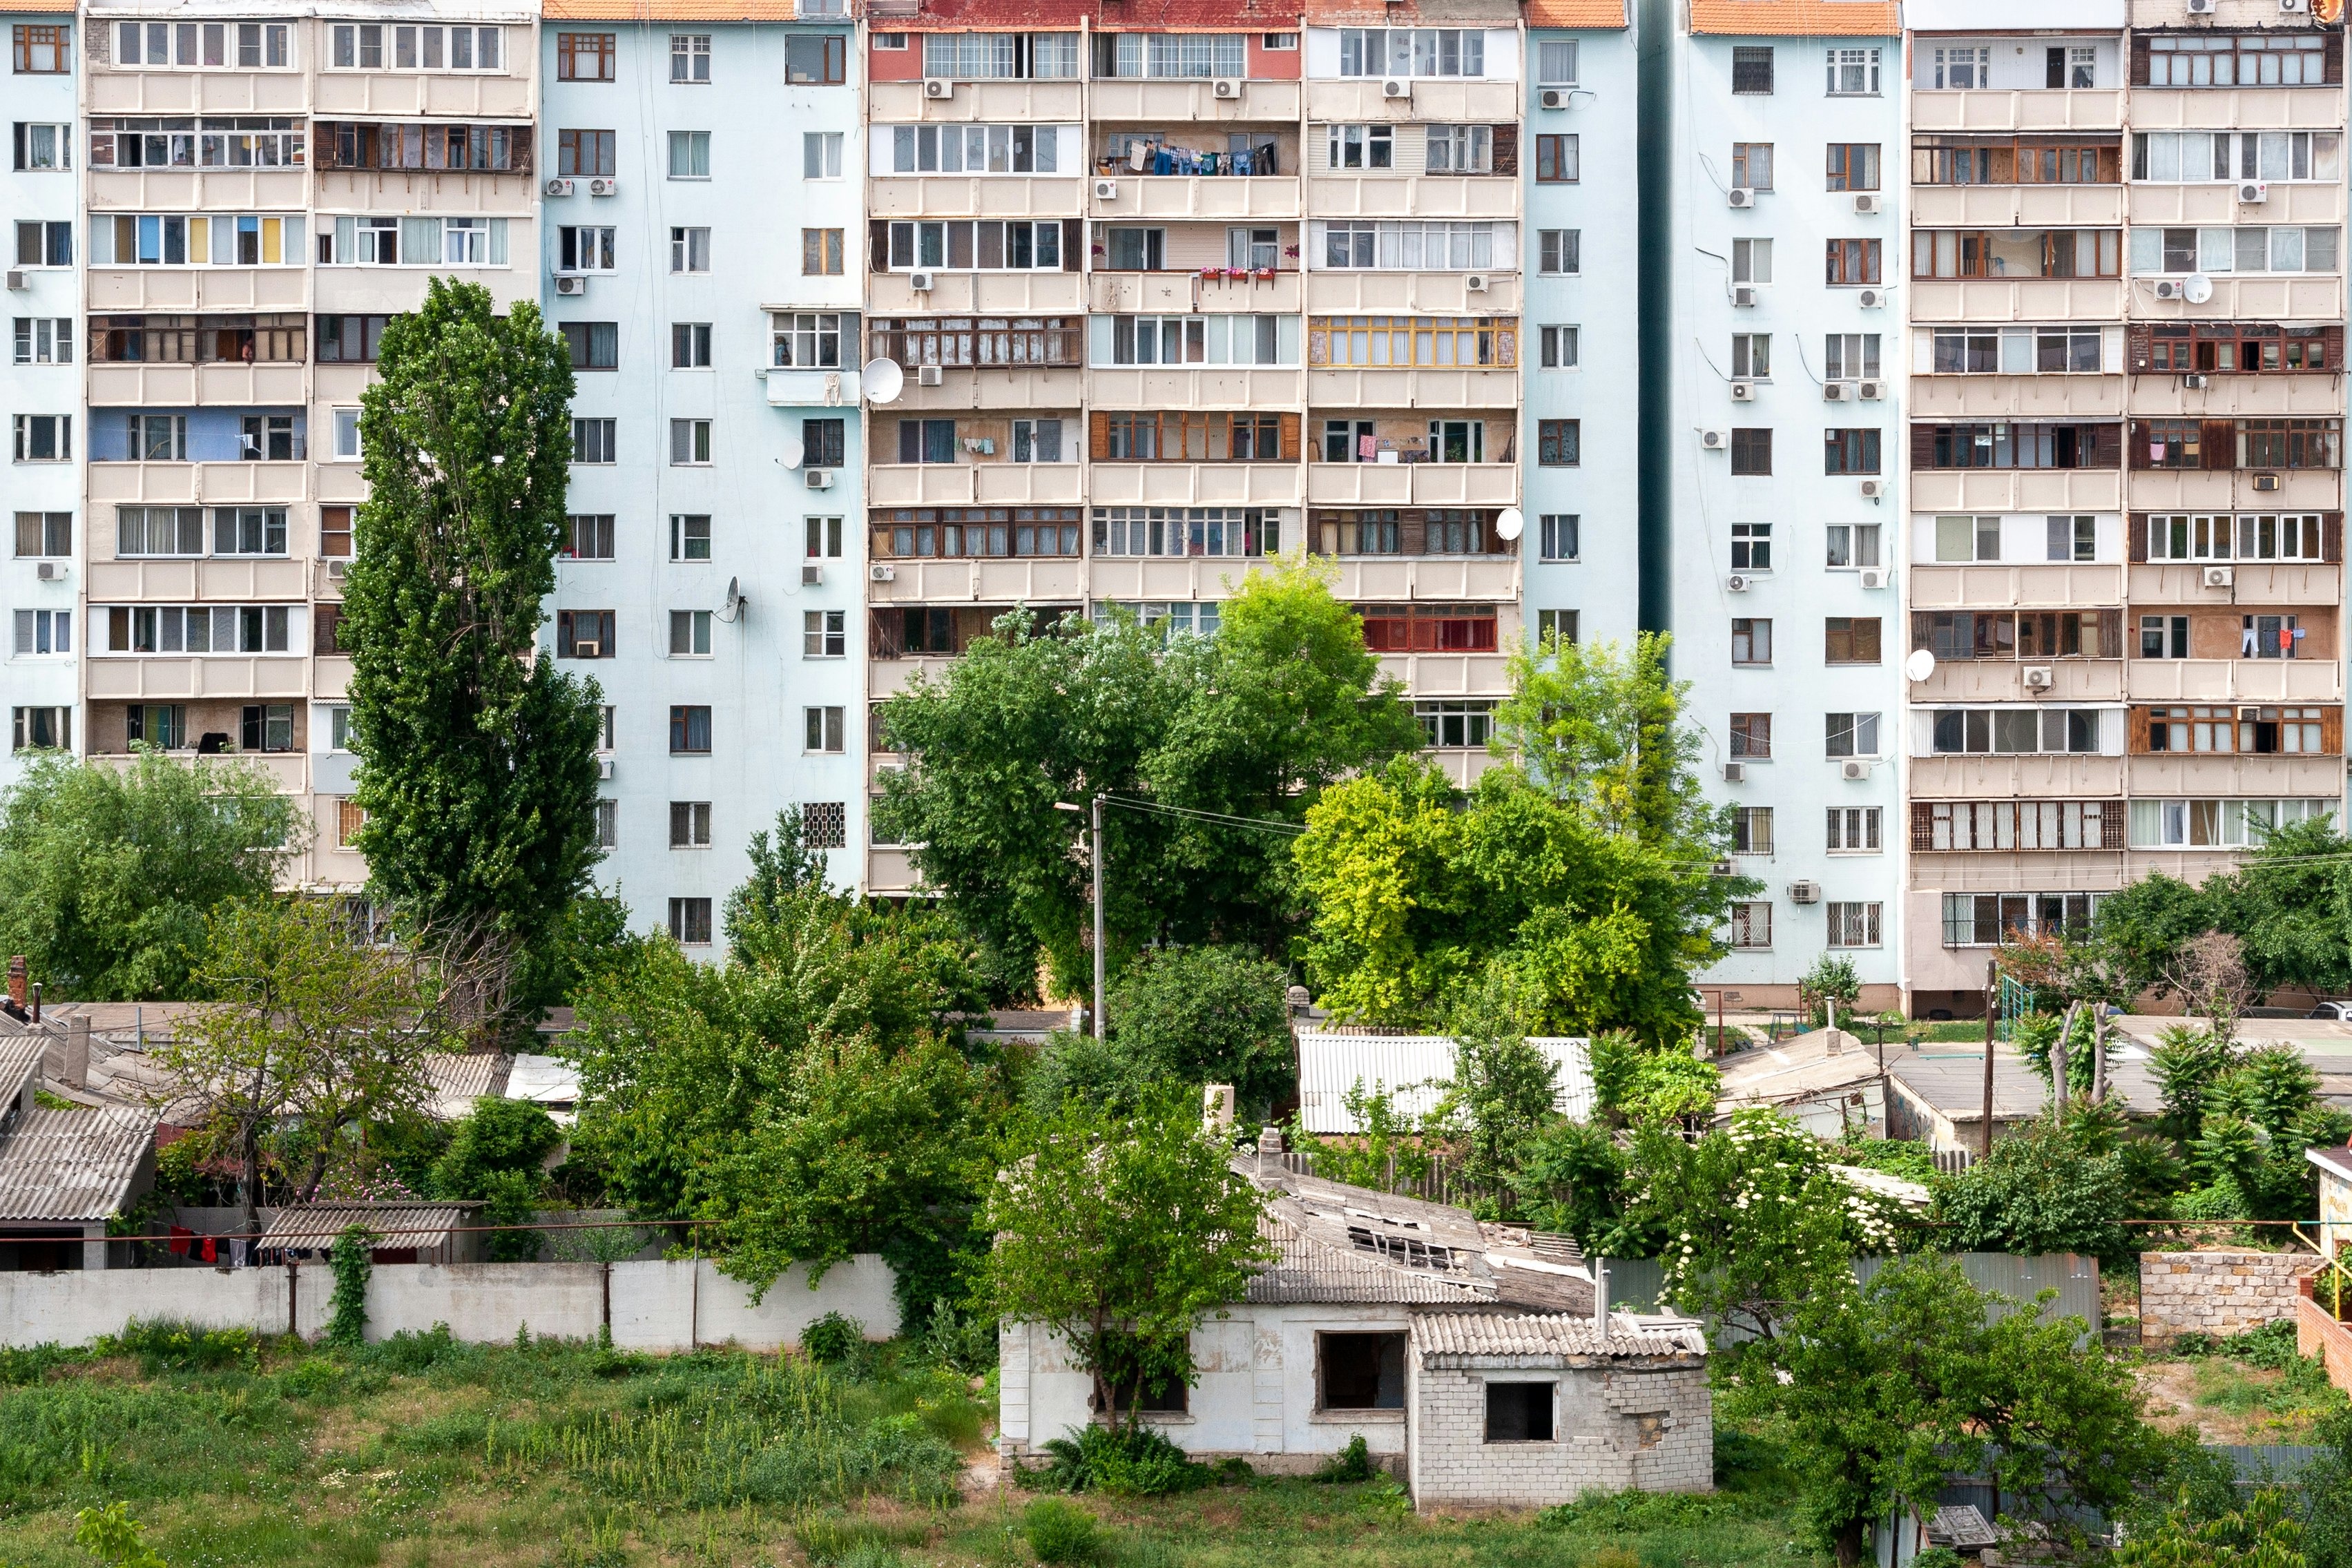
[(1106, 189), (48, 571), (1874, 489), (1225, 87), (2293, 7), (2039, 677), (337, 569), (921, 282), (1738, 582), (1735, 773), (1727, 866), (1743, 295), (820, 478), (1876, 576), (1871, 299), (811, 575), (559, 187), (603, 187), (1552, 98), (1743, 391), (571, 282), (16, 280), (587, 648), (1853, 767), (604, 767), (1836, 391), (937, 86), (1396, 87), (2252, 191), (2220, 576), (2167, 289), (1805, 892), (2194, 382), (2266, 481), (879, 573), (1870, 391), (1476, 282), (2201, 8), (930, 375), (1869, 204), (1741, 196), (1714, 440)]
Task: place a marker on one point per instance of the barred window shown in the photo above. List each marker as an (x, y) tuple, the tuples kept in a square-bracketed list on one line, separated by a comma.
[(824, 824)]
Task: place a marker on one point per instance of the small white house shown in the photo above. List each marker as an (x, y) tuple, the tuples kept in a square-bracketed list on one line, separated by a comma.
[(1467, 1354)]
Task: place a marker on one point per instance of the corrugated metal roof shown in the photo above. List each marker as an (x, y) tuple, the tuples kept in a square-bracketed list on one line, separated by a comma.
[(459, 1080), (1798, 18), (75, 1166), (1548, 1334), (422, 1226), (549, 1080), (1413, 1068)]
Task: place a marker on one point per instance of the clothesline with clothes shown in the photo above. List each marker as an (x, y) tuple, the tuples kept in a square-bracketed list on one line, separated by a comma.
[(1158, 158)]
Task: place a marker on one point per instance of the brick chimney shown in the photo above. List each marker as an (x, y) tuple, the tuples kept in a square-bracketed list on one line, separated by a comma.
[(19, 983)]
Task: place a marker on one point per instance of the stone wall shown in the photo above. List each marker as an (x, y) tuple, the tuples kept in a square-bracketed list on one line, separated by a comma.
[(1616, 1427), (2218, 1292)]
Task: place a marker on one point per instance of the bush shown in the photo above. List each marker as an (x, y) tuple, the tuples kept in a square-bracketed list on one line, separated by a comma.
[(1634, 1510), (32, 1363), (1352, 1463), (832, 1540), (1137, 1462), (832, 1339), (163, 1345), (1060, 1532)]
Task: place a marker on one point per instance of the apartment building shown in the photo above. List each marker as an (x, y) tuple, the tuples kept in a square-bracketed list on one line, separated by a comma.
[(702, 181), (1766, 280), (2124, 489), (40, 386)]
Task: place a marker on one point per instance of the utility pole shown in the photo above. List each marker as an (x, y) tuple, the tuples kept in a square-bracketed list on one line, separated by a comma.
[(1098, 858), (1992, 997)]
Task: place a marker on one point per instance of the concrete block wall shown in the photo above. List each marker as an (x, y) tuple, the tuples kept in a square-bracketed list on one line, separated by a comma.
[(2217, 1291), (1615, 1428)]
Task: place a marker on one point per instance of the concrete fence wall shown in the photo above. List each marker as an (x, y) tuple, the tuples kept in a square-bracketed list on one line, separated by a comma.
[(658, 1305), (2217, 1291)]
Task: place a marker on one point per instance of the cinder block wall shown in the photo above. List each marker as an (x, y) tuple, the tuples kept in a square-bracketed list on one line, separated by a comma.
[(1621, 1428), (2219, 1293)]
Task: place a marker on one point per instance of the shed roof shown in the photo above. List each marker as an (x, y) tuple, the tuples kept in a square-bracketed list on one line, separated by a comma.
[(1479, 1335), (2336, 1163), (422, 1226), (461, 1078), (1953, 1085), (1822, 1061), (549, 1080), (1797, 19), (20, 1063), (76, 1166)]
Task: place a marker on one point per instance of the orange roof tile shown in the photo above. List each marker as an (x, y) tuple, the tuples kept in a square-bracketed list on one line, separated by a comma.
[(1797, 19), (38, 7), (1576, 13), (668, 11)]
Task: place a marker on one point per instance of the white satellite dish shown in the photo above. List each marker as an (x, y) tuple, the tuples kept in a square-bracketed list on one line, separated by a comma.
[(735, 602), (884, 380), (1510, 523), (1920, 665), (793, 453), (2196, 289)]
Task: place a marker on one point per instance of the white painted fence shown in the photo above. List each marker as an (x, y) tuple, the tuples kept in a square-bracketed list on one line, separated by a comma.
[(665, 1304)]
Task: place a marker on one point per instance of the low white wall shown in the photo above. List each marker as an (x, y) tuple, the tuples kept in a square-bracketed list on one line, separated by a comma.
[(662, 1305)]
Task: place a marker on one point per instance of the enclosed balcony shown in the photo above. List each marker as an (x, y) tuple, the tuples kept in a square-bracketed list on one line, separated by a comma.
[(217, 360), (1963, 81)]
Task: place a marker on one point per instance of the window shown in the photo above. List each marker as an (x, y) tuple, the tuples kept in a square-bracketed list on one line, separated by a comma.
[(1967, 539), (1556, 62), (689, 824), (2217, 824), (1212, 437), (1751, 546), (689, 540), (2236, 347), (2164, 636), (824, 443), (823, 537), (2289, 444), (267, 727), (689, 442), (689, 58), (1397, 340), (809, 339), (1559, 252), (44, 437), (1849, 356), (1854, 166), (43, 632), (592, 57), (927, 441), (41, 729), (42, 534), (1751, 640), (156, 724), (820, 154), (1361, 146), (1429, 627), (1990, 919), (2022, 731), (581, 249), (2301, 731), (2074, 539), (584, 634), (1555, 626), (269, 438), (1751, 356), (689, 922), (689, 345), (1751, 261), (2006, 445), (49, 243), (1558, 160), (1461, 150), (1751, 451), (1849, 640), (588, 536), (824, 824), (2281, 58), (43, 147), (593, 440), (689, 155), (44, 340), (979, 56), (1751, 735), (816, 59), (1359, 1371), (608, 824), (689, 249), (1751, 164), (605, 726), (1751, 69), (1276, 42), (350, 818), (2031, 253), (823, 728), (2192, 156), (1854, 829), (1556, 536), (2263, 536), (588, 152), (248, 530), (1751, 830), (1852, 546), (362, 47), (1455, 726), (1852, 262), (345, 422), (155, 438), (2044, 160), (350, 339), (1854, 924), (2248, 249), (1180, 55), (1750, 924), (823, 634), (1382, 245), (1219, 339), (159, 531), (1559, 442), (595, 345), (987, 245), (1519, 1412), (196, 628), (1852, 734), (39, 48), (1850, 452), (1853, 72), (1412, 52), (1559, 347), (690, 730)]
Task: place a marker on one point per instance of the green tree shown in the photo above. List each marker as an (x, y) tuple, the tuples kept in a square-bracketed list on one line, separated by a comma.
[(1636, 1080), (2263, 1534), (495, 1156), (477, 766), (1120, 1234), (107, 872), (1571, 1179), (2045, 1188), (2290, 902), (2145, 924), (1503, 1089), (1208, 1015)]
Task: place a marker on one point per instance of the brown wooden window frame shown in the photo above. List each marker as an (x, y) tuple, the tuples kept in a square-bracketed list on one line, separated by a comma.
[(600, 51)]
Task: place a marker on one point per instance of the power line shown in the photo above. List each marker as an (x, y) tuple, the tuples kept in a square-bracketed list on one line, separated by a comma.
[(1221, 819)]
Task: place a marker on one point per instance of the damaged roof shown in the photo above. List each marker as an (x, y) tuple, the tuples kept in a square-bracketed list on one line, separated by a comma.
[(1485, 1335), (74, 1167)]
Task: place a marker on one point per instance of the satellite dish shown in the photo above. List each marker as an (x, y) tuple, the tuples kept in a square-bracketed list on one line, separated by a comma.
[(884, 380), (735, 601), (2196, 289), (793, 452), (1510, 523), (1920, 665)]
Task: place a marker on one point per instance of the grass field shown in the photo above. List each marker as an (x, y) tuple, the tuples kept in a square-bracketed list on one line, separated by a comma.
[(420, 1452)]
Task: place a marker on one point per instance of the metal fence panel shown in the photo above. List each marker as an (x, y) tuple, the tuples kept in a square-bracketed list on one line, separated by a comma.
[(1414, 1070)]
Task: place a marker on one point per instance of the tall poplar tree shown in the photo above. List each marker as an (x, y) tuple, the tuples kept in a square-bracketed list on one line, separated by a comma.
[(476, 755)]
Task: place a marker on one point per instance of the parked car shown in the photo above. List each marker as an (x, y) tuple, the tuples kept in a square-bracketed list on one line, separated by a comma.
[(2340, 1011)]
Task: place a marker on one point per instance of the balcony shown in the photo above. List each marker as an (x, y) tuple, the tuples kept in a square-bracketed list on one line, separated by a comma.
[(1197, 484), (199, 190), (975, 195), (2299, 680), (167, 679), (2050, 397), (2158, 395), (2017, 489), (1154, 293), (1265, 198), (2003, 681), (2216, 203), (1439, 99), (2274, 296), (966, 483), (210, 484), (2018, 300), (2039, 109), (1996, 587), (1127, 578), (226, 580), (889, 870), (211, 385), (1227, 387), (2237, 774), (2016, 206), (2188, 490), (1452, 675), (397, 95), (288, 772), (135, 91), (978, 103), (2244, 108), (810, 388), (1412, 484), (2251, 582), (1194, 102), (1497, 388), (1418, 196), (132, 290), (1412, 294), (1435, 577), (977, 293), (997, 580), (2013, 778)]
